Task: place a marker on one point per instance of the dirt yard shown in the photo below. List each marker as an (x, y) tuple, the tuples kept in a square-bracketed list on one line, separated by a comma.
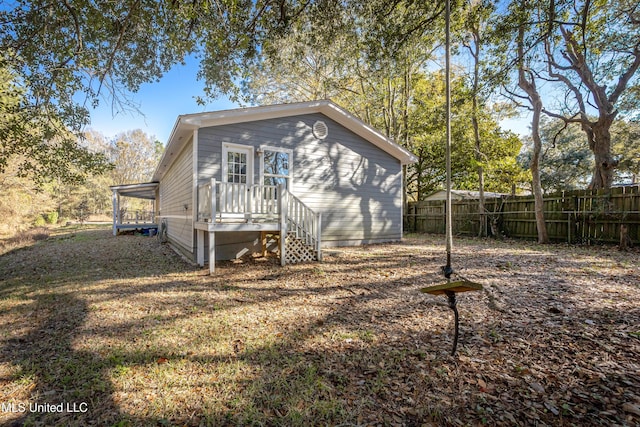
[(122, 332)]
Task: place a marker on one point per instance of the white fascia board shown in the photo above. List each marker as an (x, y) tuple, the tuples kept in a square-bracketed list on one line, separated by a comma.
[(134, 186), (145, 190), (253, 114), (325, 107), (178, 138), (162, 164), (367, 132)]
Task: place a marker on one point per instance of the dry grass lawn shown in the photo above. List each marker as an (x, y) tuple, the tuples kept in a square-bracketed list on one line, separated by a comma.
[(121, 332)]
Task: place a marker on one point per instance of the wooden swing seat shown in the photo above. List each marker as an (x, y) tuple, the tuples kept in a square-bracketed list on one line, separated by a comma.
[(455, 287)]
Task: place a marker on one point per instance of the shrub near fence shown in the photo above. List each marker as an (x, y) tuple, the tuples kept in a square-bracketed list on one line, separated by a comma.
[(583, 216)]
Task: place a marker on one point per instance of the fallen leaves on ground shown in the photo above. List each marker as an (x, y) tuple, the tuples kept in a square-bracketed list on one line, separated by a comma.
[(125, 325)]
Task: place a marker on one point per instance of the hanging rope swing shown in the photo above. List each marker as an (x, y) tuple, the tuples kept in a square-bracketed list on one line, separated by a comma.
[(451, 288)]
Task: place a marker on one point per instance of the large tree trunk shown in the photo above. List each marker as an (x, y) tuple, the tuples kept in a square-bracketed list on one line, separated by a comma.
[(604, 163), (482, 229), (529, 86), (598, 133), (543, 236)]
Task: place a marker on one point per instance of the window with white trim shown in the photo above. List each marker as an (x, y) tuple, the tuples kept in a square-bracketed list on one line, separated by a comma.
[(237, 164), (277, 166), (237, 167)]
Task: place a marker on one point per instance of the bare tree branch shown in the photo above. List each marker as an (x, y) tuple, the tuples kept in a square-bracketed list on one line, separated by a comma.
[(623, 81)]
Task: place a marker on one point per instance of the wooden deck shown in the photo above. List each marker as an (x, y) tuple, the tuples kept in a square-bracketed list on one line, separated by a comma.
[(136, 220), (143, 226), (124, 219), (237, 226), (234, 207)]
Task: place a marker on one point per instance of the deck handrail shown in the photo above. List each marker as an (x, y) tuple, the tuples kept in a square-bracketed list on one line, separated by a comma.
[(204, 201), (137, 216), (303, 221), (236, 200), (218, 201)]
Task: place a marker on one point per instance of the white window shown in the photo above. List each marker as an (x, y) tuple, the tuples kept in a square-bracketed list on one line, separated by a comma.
[(276, 167), (237, 164)]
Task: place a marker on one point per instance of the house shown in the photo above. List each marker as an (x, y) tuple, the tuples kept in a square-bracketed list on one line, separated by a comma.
[(232, 182), (462, 195)]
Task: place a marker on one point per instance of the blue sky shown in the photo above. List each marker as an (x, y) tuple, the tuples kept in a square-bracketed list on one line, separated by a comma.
[(160, 103)]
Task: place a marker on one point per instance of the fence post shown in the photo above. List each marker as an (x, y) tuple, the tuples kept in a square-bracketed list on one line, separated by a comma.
[(591, 215)]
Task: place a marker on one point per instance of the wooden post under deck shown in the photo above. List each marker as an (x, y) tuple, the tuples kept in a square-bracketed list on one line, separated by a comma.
[(283, 200), (263, 243), (319, 237), (115, 201), (200, 247), (212, 252)]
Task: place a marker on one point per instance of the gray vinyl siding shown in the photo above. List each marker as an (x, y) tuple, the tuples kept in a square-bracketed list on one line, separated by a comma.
[(355, 185), (209, 155), (234, 245), (176, 190)]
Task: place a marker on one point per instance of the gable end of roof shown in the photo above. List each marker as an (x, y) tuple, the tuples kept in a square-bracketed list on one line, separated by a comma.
[(187, 123)]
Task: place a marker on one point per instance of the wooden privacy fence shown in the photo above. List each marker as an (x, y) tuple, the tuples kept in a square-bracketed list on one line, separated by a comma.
[(583, 216)]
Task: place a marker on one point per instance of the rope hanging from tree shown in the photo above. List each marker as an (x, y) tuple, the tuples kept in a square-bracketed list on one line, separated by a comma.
[(450, 288)]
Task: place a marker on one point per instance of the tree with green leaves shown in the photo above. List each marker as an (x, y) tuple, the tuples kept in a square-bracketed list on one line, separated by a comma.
[(135, 156), (362, 65), (527, 83), (395, 95), (475, 19), (60, 57), (69, 55), (373, 80), (41, 145), (589, 52), (520, 26), (500, 148), (565, 160), (593, 54), (587, 55), (403, 101), (625, 140)]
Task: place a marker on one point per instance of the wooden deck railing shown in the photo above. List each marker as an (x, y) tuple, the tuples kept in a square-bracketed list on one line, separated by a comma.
[(136, 217), (230, 202), (303, 221), (205, 201)]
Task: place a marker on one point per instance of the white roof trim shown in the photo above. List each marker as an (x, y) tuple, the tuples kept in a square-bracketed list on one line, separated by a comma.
[(186, 123), (144, 190)]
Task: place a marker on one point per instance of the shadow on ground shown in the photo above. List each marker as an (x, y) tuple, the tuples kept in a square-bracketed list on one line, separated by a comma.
[(125, 326)]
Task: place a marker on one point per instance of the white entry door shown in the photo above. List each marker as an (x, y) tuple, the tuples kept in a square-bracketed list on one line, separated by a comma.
[(237, 179)]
